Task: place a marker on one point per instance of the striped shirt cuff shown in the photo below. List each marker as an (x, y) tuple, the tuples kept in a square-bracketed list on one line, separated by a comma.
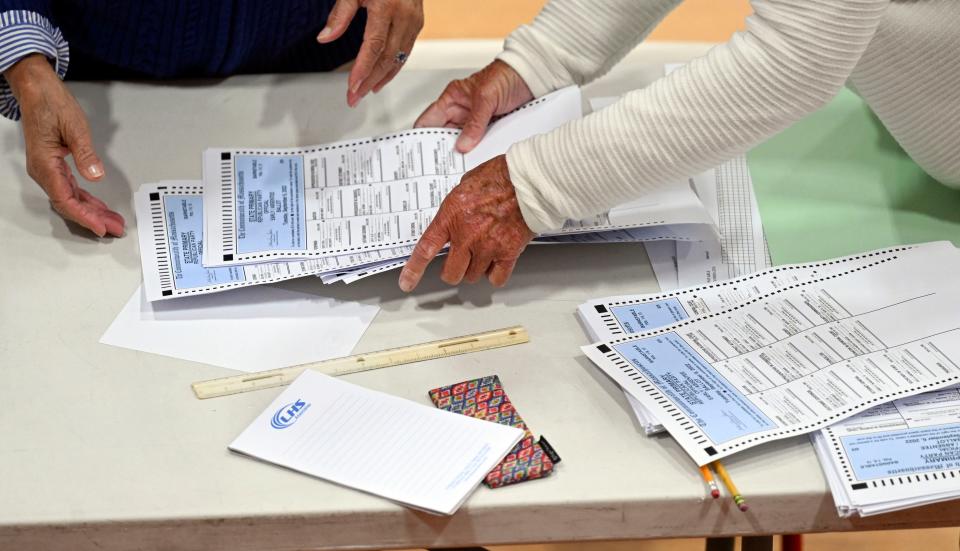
[(23, 33)]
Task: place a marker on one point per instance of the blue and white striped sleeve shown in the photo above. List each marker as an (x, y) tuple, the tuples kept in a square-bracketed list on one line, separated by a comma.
[(24, 32)]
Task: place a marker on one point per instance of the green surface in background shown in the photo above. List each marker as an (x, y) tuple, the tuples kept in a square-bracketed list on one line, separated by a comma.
[(837, 183)]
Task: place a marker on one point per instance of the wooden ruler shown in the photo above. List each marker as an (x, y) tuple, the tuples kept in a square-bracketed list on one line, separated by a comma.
[(488, 340)]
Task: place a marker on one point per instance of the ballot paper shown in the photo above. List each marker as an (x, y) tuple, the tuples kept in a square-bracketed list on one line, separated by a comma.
[(613, 317), (252, 329), (171, 234), (800, 357), (617, 316), (407, 452), (170, 223), (901, 454), (268, 205)]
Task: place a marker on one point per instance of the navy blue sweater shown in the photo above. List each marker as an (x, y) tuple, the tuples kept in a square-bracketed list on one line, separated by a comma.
[(112, 39)]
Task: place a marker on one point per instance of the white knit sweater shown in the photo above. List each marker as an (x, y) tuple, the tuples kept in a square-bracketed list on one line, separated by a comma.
[(901, 56)]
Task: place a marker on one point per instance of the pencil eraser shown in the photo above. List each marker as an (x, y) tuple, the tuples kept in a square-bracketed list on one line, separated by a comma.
[(715, 494), (744, 507)]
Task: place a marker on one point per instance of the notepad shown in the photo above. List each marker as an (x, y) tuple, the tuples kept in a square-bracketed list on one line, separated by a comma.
[(406, 452)]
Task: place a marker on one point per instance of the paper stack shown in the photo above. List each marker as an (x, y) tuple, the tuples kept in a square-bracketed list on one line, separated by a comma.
[(786, 351), (348, 210), (808, 348), (897, 455), (737, 248)]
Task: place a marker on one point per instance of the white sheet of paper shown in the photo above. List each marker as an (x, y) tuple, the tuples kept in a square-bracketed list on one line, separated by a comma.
[(727, 194), (663, 260), (251, 329), (407, 452), (799, 357)]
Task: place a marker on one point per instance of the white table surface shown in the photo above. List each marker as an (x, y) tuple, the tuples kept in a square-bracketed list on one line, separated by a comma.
[(106, 448)]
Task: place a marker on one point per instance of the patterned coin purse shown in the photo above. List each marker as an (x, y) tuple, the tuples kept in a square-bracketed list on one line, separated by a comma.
[(484, 398)]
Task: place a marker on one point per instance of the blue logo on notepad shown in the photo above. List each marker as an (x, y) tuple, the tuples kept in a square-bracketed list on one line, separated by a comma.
[(288, 414)]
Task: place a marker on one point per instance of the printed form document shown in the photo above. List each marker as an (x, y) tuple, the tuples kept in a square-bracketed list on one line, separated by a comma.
[(270, 205), (352, 209), (171, 232), (902, 454), (613, 317), (799, 357), (407, 452)]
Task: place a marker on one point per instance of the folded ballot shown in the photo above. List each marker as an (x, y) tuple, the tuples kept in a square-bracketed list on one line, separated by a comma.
[(387, 446), (787, 351)]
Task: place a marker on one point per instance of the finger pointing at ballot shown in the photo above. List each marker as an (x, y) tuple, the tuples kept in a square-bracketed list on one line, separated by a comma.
[(388, 38), (482, 222)]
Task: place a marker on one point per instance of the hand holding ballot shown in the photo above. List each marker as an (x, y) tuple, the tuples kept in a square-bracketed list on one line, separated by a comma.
[(472, 102), (481, 220)]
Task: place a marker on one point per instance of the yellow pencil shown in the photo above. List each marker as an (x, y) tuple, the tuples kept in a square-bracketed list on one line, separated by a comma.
[(708, 478), (731, 487)]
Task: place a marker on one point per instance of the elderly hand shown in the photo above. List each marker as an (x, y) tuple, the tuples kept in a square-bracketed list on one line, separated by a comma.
[(481, 220), (470, 103), (392, 28), (54, 126)]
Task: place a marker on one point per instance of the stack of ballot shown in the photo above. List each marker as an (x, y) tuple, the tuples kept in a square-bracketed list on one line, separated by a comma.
[(348, 210), (901, 454), (802, 348)]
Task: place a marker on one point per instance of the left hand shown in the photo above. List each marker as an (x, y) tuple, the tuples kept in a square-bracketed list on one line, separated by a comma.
[(481, 220), (392, 28)]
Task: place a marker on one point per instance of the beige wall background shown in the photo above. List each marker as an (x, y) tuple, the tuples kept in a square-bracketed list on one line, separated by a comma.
[(693, 20)]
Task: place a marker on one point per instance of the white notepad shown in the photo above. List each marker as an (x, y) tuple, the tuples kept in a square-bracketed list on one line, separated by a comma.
[(377, 443)]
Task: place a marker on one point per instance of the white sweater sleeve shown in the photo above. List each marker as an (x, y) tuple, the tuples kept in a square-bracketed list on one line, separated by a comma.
[(576, 41), (793, 58)]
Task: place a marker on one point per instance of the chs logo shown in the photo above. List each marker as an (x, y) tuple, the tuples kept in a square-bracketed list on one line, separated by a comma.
[(288, 414)]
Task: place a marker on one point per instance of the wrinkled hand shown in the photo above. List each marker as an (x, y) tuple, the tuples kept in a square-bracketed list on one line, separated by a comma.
[(392, 26), (481, 220), (472, 102), (55, 126)]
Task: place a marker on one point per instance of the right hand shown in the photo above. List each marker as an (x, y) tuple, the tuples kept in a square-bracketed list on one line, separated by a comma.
[(55, 126), (470, 103)]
